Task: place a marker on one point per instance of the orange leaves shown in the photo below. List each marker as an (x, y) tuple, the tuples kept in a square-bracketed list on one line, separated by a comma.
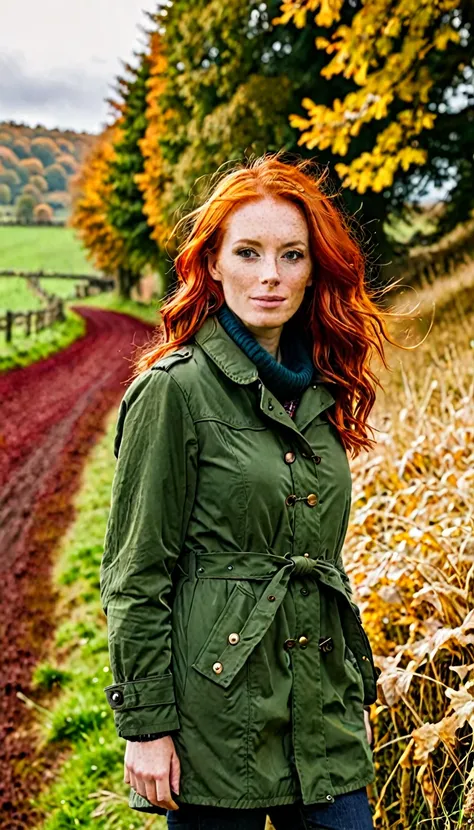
[(89, 216)]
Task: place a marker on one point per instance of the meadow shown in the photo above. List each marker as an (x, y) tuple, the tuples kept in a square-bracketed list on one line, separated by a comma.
[(43, 248)]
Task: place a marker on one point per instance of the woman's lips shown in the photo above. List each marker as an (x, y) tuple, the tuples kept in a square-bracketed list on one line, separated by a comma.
[(267, 302)]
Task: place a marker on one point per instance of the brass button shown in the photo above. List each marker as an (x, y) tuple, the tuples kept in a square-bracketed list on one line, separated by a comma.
[(306, 554), (217, 667), (289, 457), (312, 499), (234, 638), (289, 643), (290, 500), (303, 641), (271, 598)]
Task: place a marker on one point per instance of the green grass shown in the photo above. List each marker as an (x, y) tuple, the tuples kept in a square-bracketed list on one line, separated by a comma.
[(88, 790), (149, 312), (15, 295), (43, 248), (25, 350), (60, 288)]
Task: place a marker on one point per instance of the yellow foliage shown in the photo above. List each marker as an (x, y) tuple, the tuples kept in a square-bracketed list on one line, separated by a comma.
[(90, 198), (387, 65), (151, 180)]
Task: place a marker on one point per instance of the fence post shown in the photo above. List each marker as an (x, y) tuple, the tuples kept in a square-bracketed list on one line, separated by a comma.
[(9, 326)]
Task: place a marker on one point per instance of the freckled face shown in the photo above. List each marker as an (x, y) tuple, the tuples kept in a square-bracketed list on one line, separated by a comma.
[(264, 262)]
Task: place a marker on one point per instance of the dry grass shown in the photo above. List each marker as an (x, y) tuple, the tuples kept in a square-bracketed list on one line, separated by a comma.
[(410, 555)]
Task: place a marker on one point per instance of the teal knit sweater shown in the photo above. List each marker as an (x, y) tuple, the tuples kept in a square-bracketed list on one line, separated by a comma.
[(286, 380)]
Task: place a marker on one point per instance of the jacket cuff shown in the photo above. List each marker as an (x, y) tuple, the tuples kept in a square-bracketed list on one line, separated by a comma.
[(149, 736), (143, 706)]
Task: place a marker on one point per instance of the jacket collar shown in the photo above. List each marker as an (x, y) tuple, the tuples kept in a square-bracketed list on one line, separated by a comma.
[(230, 359), (224, 351)]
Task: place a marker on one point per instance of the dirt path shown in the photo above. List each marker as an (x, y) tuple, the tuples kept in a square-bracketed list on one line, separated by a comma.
[(51, 414)]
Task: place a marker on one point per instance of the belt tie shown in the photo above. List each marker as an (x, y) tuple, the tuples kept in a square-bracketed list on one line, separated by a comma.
[(253, 624)]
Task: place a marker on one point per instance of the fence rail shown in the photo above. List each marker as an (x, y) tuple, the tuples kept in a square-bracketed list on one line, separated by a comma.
[(34, 321), (92, 279), (53, 312)]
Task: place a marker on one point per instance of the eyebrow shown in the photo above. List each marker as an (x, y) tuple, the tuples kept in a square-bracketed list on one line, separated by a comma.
[(256, 242)]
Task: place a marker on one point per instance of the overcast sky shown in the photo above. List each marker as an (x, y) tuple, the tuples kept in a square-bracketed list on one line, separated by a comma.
[(59, 60)]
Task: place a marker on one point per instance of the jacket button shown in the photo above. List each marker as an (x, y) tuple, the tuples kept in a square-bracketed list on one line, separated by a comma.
[(326, 643), (289, 457), (306, 554), (304, 591), (329, 798), (217, 667), (303, 641), (271, 598), (289, 643), (312, 499), (290, 500), (317, 459), (117, 697), (234, 638)]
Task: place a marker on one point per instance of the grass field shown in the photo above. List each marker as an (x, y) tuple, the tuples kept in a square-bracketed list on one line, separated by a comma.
[(43, 248), (15, 295)]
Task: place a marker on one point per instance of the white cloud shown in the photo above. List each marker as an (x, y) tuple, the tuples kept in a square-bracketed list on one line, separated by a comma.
[(59, 61)]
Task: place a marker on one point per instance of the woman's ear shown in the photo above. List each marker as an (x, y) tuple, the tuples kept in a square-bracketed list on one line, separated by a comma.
[(211, 265)]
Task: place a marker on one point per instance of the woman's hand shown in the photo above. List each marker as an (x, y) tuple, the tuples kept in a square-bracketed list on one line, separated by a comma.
[(152, 768), (368, 728)]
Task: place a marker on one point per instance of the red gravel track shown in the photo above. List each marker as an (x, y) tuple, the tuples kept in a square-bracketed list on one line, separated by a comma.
[(51, 414)]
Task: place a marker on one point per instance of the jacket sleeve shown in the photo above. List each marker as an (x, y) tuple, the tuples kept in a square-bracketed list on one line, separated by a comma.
[(151, 501)]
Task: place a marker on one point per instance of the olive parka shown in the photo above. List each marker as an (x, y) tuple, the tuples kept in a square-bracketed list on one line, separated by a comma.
[(230, 615)]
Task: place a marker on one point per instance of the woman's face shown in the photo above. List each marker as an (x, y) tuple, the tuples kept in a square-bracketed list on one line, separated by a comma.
[(264, 263)]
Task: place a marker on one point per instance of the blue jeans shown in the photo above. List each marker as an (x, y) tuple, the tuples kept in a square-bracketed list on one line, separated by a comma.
[(349, 811)]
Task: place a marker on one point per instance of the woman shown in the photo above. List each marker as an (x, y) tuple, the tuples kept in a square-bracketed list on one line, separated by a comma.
[(242, 673)]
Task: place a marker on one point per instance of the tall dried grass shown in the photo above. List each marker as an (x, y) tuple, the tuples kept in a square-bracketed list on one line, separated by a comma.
[(410, 555)]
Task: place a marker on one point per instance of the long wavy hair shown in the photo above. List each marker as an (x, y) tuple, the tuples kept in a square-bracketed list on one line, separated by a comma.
[(339, 316)]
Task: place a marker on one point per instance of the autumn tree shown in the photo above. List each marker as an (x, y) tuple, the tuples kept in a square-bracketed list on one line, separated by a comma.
[(24, 207), (407, 64), (125, 203), (91, 191), (43, 214), (5, 194), (45, 149)]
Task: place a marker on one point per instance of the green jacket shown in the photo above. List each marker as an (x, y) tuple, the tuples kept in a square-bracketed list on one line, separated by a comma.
[(230, 615)]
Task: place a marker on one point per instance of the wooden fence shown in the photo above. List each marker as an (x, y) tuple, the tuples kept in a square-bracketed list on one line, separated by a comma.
[(53, 312), (34, 321)]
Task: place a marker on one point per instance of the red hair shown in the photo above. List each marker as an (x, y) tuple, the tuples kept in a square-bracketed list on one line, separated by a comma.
[(338, 312)]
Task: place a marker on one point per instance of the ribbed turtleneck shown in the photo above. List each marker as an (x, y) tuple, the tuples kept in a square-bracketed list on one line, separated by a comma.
[(285, 380)]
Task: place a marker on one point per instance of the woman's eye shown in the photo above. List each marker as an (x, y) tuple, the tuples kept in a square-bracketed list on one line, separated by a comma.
[(299, 255)]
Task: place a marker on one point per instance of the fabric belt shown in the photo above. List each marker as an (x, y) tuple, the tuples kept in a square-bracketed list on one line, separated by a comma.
[(277, 571)]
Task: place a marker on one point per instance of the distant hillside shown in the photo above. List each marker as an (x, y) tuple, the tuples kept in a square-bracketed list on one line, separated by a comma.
[(36, 167)]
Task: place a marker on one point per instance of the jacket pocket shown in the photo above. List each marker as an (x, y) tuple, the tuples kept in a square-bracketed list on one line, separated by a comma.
[(367, 667), (216, 659)]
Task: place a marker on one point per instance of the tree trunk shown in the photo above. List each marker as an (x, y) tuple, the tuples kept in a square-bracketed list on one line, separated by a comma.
[(125, 280)]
